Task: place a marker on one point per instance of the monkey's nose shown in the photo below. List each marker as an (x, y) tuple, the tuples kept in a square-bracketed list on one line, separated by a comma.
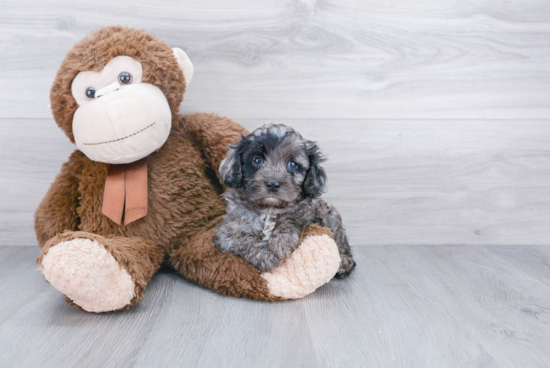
[(110, 88), (272, 185)]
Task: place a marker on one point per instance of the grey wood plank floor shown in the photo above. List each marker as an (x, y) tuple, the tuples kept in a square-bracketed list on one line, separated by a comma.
[(423, 306)]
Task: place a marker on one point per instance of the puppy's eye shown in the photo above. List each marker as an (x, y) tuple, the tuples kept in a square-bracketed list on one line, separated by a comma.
[(291, 166), (257, 162), (90, 92), (125, 78)]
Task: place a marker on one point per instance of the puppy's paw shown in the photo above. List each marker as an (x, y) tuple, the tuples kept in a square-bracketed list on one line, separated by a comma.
[(86, 273), (282, 244), (346, 267), (312, 265)]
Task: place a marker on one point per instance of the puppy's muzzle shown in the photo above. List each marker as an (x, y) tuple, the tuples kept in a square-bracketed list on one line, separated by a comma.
[(273, 185)]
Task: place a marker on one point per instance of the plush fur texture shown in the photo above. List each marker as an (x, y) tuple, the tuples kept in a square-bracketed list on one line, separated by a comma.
[(184, 204), (276, 179), (139, 257), (95, 51), (300, 277), (90, 276)]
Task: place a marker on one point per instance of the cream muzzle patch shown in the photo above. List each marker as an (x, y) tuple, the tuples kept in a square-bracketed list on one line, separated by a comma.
[(126, 120)]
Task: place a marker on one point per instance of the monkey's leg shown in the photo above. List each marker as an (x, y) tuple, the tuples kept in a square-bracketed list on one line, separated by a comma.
[(313, 264), (99, 274)]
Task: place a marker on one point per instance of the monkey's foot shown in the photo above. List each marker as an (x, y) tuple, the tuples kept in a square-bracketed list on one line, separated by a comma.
[(312, 265), (88, 275)]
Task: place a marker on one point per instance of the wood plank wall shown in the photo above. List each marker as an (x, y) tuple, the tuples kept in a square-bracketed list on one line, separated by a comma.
[(434, 114)]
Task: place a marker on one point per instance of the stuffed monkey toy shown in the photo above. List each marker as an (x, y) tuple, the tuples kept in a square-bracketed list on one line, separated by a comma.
[(143, 188)]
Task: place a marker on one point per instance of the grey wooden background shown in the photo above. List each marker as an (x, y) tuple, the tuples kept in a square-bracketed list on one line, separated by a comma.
[(434, 114)]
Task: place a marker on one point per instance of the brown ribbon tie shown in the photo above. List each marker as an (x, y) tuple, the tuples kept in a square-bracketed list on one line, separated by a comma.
[(125, 196)]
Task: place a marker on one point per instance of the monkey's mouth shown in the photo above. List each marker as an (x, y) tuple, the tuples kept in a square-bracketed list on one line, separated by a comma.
[(120, 139)]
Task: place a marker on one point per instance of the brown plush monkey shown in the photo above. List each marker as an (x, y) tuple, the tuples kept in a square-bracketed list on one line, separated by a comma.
[(143, 187)]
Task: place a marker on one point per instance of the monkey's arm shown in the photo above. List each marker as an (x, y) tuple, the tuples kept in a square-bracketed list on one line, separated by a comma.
[(213, 134), (57, 211)]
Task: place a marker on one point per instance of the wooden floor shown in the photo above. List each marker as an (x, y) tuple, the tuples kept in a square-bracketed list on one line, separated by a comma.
[(405, 306)]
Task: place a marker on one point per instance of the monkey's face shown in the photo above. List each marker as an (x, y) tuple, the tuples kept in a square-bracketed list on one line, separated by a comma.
[(119, 119), (116, 91)]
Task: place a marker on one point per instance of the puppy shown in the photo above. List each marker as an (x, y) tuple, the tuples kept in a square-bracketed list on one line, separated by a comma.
[(275, 181)]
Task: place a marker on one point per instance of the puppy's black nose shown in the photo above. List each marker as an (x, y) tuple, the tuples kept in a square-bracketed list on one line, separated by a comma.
[(272, 185)]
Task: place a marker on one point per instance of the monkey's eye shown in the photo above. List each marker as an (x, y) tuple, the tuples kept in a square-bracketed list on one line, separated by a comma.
[(257, 162), (90, 92), (125, 78), (291, 166)]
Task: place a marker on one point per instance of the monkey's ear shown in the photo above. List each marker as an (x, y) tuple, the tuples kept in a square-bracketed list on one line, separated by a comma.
[(315, 181), (185, 64), (230, 169)]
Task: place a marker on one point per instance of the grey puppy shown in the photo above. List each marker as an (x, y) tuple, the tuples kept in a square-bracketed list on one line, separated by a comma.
[(275, 181)]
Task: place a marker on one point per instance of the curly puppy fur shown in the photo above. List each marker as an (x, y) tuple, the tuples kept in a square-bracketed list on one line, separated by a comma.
[(276, 180)]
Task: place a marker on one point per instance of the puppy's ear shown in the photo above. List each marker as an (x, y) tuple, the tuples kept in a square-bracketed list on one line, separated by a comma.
[(230, 168), (315, 181)]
